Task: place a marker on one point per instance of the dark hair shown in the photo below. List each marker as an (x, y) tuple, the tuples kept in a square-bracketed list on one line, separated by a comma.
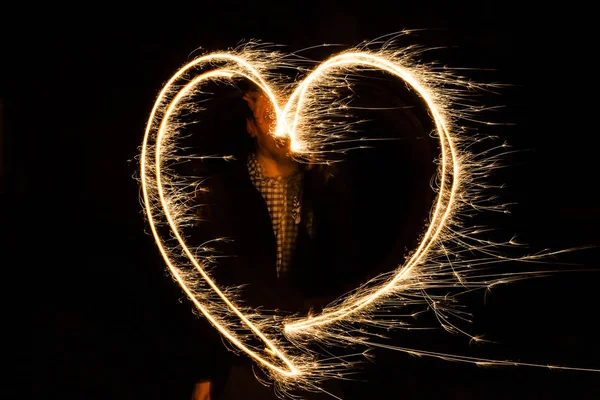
[(222, 130), (245, 87)]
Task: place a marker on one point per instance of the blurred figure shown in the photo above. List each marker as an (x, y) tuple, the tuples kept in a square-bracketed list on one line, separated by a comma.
[(290, 232)]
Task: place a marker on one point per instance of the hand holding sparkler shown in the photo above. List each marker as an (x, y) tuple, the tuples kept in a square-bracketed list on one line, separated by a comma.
[(262, 110)]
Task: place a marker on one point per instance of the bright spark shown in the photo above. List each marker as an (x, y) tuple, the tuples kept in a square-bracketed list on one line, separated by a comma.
[(445, 257)]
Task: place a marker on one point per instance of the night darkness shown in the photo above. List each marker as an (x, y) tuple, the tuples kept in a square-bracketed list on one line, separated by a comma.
[(109, 323)]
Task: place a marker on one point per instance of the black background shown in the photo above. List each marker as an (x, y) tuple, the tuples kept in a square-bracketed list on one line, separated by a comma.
[(107, 320)]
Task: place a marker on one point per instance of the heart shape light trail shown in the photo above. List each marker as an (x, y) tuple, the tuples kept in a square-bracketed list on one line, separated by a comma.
[(441, 258)]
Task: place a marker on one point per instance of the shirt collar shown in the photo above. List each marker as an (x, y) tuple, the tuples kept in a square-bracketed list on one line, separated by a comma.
[(256, 172)]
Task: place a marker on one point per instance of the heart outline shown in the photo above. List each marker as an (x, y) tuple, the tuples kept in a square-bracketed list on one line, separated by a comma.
[(442, 209)]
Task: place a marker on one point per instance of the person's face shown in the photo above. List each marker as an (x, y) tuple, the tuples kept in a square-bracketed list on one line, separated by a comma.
[(262, 124)]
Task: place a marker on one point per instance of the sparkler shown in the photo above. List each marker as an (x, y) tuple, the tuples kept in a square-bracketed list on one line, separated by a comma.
[(443, 257)]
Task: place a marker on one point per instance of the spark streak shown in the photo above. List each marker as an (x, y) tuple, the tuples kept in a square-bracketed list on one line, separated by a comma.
[(449, 167), (165, 206), (443, 259)]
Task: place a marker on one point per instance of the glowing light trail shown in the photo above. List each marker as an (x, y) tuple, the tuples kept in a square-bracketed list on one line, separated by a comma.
[(169, 110), (449, 168), (440, 259)]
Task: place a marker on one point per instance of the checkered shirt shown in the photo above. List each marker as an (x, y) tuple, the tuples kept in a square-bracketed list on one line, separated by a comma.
[(283, 198)]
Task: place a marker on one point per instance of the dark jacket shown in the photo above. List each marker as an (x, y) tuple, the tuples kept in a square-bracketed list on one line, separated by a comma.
[(233, 208)]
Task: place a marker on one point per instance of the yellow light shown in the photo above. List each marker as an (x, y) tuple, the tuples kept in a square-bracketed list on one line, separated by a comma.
[(284, 353)]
